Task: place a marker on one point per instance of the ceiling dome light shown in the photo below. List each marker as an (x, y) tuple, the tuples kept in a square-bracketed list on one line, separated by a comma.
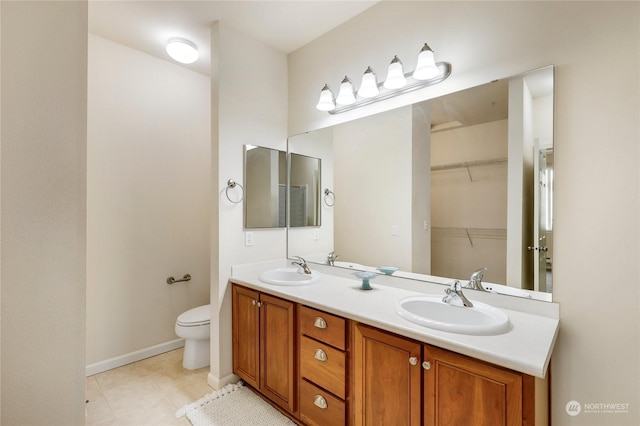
[(426, 67), (326, 101), (182, 50), (369, 86), (395, 75), (346, 95)]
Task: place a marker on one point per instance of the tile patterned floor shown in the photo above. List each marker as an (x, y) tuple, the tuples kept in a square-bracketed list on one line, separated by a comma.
[(147, 392)]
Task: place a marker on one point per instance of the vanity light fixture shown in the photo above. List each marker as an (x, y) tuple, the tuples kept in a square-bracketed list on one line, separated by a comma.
[(182, 50), (327, 102), (395, 75), (346, 95), (427, 73), (369, 86), (426, 67)]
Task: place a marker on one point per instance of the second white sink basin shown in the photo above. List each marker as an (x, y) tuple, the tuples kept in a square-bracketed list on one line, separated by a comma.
[(431, 311), (289, 276)]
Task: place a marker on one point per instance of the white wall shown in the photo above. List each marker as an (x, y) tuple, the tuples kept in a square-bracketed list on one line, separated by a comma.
[(302, 241), (148, 208), (249, 106), (597, 233), (459, 202), (371, 158), (44, 115)]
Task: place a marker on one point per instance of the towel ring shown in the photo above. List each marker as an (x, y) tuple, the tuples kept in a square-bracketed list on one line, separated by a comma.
[(329, 197), (231, 184)]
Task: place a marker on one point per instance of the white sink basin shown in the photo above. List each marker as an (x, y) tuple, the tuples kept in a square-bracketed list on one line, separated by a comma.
[(289, 276), (431, 311)]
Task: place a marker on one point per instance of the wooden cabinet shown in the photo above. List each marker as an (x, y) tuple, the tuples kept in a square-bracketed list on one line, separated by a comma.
[(400, 381), (459, 390), (264, 345), (386, 378), (323, 367), (327, 370)]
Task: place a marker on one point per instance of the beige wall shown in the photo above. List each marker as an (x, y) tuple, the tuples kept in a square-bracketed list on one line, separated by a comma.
[(597, 239), (370, 170), (44, 115), (311, 242), (245, 110), (148, 205), (459, 202)]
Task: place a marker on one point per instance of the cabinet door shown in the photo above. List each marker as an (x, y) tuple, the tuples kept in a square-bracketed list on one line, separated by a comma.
[(386, 378), (462, 391), (246, 337), (278, 351)]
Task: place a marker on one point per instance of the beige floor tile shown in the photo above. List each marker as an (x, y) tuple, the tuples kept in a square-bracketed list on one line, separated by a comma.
[(147, 392)]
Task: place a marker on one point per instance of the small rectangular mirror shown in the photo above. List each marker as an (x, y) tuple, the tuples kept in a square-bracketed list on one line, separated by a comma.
[(304, 191), (265, 177)]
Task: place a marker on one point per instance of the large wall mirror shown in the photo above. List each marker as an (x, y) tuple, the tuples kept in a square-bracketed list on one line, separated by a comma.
[(265, 177), (443, 187)]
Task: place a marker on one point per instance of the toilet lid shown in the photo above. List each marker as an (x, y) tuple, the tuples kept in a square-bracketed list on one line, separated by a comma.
[(195, 316)]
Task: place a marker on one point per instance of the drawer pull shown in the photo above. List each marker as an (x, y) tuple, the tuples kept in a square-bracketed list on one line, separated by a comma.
[(320, 323), (320, 402), (413, 360), (426, 365), (320, 355)]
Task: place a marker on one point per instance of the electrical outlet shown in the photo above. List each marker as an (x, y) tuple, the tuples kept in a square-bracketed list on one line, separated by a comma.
[(316, 234), (248, 239), (394, 230)]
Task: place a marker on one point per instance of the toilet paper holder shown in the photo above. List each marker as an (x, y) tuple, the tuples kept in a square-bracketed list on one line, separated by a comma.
[(172, 280)]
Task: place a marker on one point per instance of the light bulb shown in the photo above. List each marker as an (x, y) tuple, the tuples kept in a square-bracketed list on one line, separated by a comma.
[(395, 75), (326, 101), (426, 67), (182, 50), (346, 95), (369, 86)]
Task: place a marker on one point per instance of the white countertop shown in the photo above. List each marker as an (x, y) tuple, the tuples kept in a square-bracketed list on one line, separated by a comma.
[(526, 348)]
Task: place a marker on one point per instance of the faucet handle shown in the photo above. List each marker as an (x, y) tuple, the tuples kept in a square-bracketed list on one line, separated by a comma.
[(477, 275), (455, 286)]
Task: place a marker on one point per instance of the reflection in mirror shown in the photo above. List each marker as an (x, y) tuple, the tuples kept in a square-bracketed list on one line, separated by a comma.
[(265, 177), (446, 186), (304, 190)]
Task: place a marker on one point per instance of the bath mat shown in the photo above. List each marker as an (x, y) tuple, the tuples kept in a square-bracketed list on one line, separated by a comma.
[(233, 405)]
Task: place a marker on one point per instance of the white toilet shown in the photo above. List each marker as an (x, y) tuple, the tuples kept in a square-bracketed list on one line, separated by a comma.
[(193, 326)]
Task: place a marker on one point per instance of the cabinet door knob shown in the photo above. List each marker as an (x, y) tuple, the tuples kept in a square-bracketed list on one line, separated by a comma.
[(320, 402), (320, 355), (426, 365), (413, 360), (320, 323)]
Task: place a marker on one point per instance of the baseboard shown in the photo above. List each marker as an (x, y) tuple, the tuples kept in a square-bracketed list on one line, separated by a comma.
[(119, 361), (219, 383)]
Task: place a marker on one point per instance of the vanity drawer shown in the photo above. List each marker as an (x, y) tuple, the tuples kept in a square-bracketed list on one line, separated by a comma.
[(323, 365), (318, 407), (322, 326)]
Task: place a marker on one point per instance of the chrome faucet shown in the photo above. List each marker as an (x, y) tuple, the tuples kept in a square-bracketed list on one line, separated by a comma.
[(331, 258), (454, 296), (475, 281), (302, 264)]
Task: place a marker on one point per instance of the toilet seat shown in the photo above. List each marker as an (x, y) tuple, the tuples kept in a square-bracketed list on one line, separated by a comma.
[(195, 317)]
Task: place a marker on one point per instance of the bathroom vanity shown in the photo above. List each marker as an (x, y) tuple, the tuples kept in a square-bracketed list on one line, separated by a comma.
[(329, 354)]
